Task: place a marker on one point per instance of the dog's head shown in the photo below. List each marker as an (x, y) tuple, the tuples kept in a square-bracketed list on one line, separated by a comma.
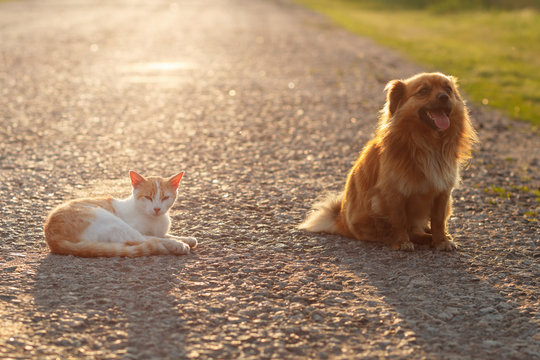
[(431, 99)]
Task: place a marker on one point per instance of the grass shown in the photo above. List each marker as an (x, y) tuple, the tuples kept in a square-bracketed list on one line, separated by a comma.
[(494, 52), (498, 193)]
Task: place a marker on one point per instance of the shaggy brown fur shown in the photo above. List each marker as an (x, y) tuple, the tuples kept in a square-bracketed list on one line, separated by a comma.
[(399, 190)]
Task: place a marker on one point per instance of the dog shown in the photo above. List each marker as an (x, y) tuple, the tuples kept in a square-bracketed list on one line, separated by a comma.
[(399, 190)]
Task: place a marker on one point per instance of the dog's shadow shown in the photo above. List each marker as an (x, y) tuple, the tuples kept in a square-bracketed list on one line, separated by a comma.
[(117, 305), (449, 310)]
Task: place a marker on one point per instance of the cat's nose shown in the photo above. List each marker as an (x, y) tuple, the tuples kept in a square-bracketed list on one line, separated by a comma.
[(157, 210)]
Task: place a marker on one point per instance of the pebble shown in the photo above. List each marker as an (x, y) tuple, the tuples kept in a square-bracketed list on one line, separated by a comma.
[(445, 316)]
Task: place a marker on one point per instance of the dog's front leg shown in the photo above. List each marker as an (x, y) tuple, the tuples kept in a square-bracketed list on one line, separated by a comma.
[(442, 207), (397, 215)]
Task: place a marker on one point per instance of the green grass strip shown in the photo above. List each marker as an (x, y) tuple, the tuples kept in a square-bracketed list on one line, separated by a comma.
[(494, 53)]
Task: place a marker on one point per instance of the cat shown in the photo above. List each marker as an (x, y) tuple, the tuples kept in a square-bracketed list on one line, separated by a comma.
[(108, 227)]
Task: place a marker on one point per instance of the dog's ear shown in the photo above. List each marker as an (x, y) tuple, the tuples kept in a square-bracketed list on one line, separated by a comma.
[(395, 92), (454, 81)]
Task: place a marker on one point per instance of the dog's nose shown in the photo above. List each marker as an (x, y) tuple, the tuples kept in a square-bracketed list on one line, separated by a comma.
[(443, 98)]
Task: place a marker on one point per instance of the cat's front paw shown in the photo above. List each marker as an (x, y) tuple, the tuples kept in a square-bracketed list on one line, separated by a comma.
[(176, 247), (191, 241)]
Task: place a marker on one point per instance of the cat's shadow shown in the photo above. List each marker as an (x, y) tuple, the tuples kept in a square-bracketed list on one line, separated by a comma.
[(119, 306)]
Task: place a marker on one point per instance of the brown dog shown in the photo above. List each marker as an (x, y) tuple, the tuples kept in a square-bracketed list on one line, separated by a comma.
[(399, 190)]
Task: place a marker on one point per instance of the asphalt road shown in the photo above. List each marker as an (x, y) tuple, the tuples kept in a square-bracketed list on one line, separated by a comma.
[(265, 106)]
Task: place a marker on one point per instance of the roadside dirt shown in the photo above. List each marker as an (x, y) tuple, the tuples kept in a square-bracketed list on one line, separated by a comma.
[(265, 106)]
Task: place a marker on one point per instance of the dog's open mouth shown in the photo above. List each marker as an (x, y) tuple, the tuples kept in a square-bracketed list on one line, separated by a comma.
[(436, 118)]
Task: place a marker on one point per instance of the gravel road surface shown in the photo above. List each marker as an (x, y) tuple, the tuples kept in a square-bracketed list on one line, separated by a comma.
[(265, 106)]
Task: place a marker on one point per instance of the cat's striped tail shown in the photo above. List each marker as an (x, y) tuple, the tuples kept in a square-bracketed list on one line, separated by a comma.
[(151, 246)]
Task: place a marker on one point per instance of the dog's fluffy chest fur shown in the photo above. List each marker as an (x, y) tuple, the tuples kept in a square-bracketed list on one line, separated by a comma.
[(414, 170), (441, 173)]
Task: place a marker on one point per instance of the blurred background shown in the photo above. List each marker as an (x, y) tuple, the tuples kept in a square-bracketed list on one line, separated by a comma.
[(492, 46)]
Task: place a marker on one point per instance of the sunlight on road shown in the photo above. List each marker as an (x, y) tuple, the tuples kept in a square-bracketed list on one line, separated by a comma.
[(161, 66), (166, 73)]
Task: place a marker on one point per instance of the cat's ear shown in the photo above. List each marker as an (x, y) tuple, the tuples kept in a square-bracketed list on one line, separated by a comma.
[(136, 179), (175, 180)]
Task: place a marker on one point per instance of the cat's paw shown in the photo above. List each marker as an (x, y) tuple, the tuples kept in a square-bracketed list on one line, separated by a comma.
[(176, 247), (191, 241)]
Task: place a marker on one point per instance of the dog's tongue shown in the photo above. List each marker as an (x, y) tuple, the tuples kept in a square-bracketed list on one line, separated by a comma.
[(440, 118)]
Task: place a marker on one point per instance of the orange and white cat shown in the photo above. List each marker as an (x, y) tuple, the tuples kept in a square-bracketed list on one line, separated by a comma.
[(135, 226)]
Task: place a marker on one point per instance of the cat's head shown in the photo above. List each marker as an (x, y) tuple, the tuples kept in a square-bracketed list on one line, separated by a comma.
[(154, 195)]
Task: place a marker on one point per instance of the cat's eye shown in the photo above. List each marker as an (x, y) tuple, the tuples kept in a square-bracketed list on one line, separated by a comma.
[(148, 197), (164, 198)]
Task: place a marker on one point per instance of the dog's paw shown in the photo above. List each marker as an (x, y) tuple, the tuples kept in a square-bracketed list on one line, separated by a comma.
[(403, 246), (406, 246), (446, 245)]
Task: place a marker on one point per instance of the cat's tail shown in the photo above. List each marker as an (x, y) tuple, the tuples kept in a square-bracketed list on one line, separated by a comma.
[(324, 216), (151, 246)]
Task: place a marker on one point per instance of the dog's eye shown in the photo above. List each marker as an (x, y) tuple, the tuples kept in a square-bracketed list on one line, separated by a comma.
[(424, 91), (448, 89)]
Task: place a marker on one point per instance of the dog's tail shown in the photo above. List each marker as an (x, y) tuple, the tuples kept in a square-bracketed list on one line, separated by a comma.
[(324, 215)]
